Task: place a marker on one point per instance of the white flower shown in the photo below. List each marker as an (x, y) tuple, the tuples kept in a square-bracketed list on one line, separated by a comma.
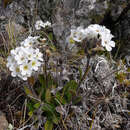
[(38, 55), (21, 56), (95, 27), (105, 30), (29, 41), (35, 64), (25, 69), (90, 34), (47, 24), (78, 34), (30, 53), (14, 51), (15, 71), (10, 127), (40, 24), (93, 31), (107, 42), (10, 61)]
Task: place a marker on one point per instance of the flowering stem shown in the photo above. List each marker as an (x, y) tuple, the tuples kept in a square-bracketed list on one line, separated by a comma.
[(46, 75), (85, 73), (46, 60), (48, 37)]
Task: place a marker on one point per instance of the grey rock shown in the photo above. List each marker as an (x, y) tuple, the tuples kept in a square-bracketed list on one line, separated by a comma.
[(98, 79), (3, 122)]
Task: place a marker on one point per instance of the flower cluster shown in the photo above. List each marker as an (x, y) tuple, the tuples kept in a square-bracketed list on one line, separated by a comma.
[(40, 24), (24, 60), (93, 31)]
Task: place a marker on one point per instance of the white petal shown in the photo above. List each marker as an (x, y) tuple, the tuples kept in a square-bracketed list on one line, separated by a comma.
[(35, 68), (13, 74), (108, 48), (24, 78), (112, 43)]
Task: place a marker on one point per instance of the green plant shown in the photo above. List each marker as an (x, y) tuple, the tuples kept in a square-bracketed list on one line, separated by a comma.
[(41, 98)]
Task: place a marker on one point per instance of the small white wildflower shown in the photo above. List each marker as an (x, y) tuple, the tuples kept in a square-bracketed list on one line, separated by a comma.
[(47, 24), (90, 33), (25, 69), (10, 61), (77, 34), (93, 31), (29, 41), (15, 51), (10, 127), (38, 55), (35, 64), (21, 56), (105, 30), (107, 42), (40, 24), (95, 27), (30, 53), (23, 77), (16, 71)]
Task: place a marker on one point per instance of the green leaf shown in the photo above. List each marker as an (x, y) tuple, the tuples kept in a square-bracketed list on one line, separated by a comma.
[(48, 125), (28, 91), (30, 105), (80, 73), (128, 69), (30, 113), (60, 98), (50, 81), (42, 80), (55, 119), (53, 48), (48, 108), (50, 36), (42, 87), (37, 105), (48, 95), (69, 90), (72, 85)]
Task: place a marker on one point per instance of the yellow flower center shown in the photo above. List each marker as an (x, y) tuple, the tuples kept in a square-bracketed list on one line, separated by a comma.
[(33, 63), (30, 43), (17, 69), (22, 58), (105, 42), (71, 41), (25, 67), (29, 55)]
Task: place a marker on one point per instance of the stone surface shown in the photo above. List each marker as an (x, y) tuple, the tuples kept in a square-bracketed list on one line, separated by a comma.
[(3, 122)]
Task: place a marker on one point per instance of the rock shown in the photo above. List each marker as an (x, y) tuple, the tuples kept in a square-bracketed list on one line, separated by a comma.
[(97, 78), (3, 122)]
